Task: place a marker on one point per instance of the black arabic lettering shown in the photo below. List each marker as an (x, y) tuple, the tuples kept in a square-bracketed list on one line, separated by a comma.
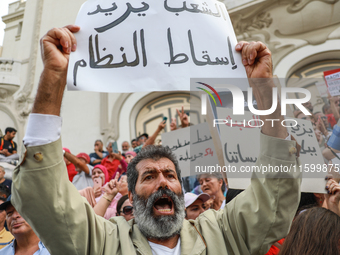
[(206, 56), (186, 158), (246, 159), (173, 59), (106, 61), (308, 150), (199, 139), (99, 9), (193, 10), (231, 55), (80, 63), (129, 10), (200, 155), (232, 157)]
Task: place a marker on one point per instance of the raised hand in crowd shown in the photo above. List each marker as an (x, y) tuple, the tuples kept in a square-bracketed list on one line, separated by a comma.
[(173, 124), (151, 140), (183, 117), (97, 191), (332, 198), (116, 155), (111, 189)]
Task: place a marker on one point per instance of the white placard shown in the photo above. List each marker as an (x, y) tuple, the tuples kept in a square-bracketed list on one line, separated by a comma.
[(333, 81), (240, 144), (322, 88), (193, 147), (126, 46)]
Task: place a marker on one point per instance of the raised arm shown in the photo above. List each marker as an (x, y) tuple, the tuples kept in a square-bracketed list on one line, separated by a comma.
[(152, 138), (41, 191), (262, 214), (77, 162)]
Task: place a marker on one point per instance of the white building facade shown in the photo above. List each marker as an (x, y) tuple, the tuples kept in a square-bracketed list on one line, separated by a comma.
[(304, 37)]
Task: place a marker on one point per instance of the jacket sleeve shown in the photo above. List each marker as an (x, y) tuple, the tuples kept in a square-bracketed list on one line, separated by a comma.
[(263, 213), (43, 195)]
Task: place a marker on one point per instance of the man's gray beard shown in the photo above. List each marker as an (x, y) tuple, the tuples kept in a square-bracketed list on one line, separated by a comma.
[(159, 227)]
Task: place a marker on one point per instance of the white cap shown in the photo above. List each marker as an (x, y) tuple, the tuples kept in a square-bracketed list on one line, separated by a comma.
[(190, 198)]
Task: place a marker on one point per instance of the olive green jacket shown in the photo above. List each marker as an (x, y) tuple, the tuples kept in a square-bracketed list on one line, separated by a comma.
[(67, 224)]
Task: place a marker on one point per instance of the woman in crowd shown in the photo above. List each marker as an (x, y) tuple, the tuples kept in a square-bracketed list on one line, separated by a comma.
[(97, 196), (125, 208), (129, 155), (214, 186), (195, 205), (314, 231)]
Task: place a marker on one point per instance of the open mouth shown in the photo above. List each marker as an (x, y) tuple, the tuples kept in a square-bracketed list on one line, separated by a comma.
[(164, 205)]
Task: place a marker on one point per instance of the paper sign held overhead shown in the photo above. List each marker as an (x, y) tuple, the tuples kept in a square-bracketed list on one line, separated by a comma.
[(333, 81), (322, 88), (152, 45)]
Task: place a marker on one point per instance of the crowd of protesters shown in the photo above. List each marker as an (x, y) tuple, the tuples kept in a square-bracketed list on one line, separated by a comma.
[(101, 178)]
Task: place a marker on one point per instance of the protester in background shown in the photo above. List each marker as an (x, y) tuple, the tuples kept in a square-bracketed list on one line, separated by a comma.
[(97, 156), (84, 171), (125, 147), (5, 236), (173, 124), (309, 106), (71, 169), (129, 156), (134, 143), (141, 141), (3, 180), (331, 110), (105, 206), (125, 208), (323, 117), (8, 148), (314, 231), (214, 186), (150, 140), (26, 241), (112, 162), (194, 205), (142, 138), (100, 171)]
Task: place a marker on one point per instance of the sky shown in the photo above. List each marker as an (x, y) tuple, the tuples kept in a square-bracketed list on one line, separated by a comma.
[(3, 11)]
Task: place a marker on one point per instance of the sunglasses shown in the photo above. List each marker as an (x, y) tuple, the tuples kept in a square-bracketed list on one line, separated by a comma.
[(127, 210)]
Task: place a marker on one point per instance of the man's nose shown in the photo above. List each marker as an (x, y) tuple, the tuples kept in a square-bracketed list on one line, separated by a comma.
[(162, 181), (15, 215)]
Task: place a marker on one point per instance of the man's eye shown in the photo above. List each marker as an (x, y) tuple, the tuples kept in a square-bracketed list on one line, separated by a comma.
[(149, 177), (171, 176)]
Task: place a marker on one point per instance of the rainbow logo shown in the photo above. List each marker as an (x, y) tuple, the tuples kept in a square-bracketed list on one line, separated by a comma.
[(208, 92)]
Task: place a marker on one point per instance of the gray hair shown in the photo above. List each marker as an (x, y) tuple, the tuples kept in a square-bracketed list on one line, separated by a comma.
[(216, 175), (2, 168), (150, 152)]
